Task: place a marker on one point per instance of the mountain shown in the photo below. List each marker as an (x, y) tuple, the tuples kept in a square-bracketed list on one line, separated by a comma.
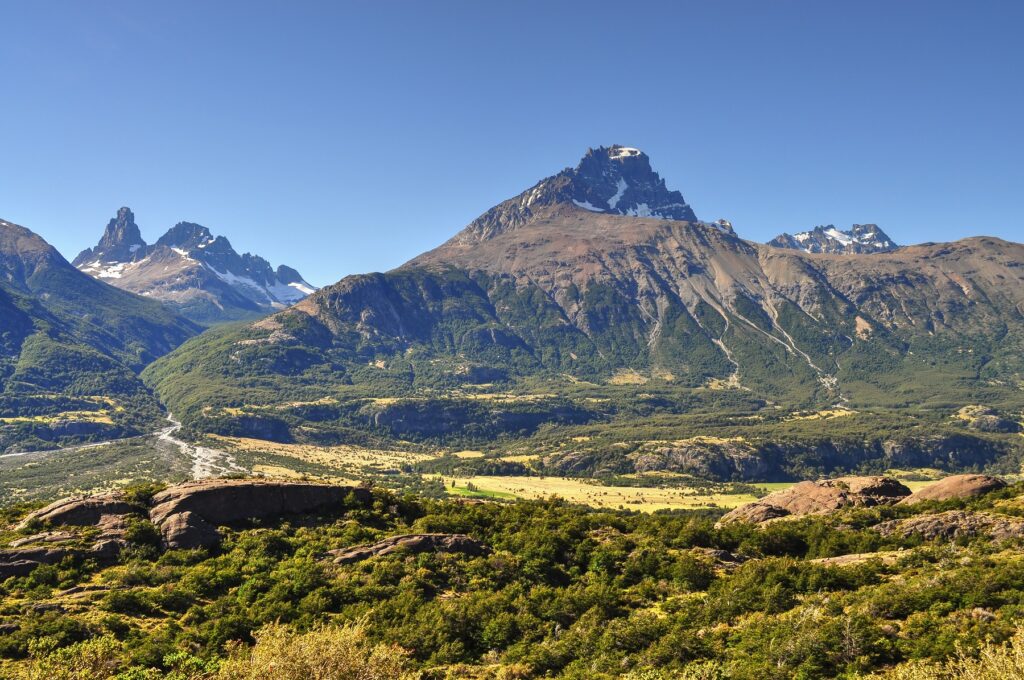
[(616, 180), (199, 275), (591, 314), (70, 347), (860, 238)]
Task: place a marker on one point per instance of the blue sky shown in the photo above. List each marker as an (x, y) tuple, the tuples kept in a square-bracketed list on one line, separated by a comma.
[(343, 137)]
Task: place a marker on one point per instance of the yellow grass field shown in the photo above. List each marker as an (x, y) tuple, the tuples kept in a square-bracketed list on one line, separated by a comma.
[(347, 459), (646, 499)]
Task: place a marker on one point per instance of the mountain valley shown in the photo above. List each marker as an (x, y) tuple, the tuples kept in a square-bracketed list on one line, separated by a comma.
[(589, 414), (604, 337)]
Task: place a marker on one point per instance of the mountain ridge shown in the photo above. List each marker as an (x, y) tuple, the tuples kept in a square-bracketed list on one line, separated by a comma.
[(189, 268), (858, 239), (594, 316), (71, 348)]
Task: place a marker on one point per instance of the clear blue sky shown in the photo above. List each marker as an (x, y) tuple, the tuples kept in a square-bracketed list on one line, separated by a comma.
[(343, 137)]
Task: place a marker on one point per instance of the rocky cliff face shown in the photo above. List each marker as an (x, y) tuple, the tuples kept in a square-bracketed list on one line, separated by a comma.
[(615, 180), (197, 273)]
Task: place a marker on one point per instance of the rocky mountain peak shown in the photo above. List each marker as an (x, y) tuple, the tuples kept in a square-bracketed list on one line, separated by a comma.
[(198, 273), (613, 180), (860, 238), (121, 241), (23, 253), (186, 235), (619, 180)]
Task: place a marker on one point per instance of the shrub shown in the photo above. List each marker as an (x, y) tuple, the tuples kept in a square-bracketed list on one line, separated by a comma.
[(324, 653)]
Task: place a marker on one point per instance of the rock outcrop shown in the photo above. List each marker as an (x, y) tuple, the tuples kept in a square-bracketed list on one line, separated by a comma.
[(188, 514), (954, 524), (413, 543), (985, 419), (223, 501), (82, 511), (185, 530), (187, 517), (956, 486), (27, 553), (755, 513), (824, 496)]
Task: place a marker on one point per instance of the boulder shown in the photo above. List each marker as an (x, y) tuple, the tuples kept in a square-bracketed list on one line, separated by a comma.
[(954, 524), (957, 486), (82, 511), (721, 559), (754, 513), (223, 501), (15, 567), (21, 561), (187, 517), (823, 496), (188, 530), (414, 543)]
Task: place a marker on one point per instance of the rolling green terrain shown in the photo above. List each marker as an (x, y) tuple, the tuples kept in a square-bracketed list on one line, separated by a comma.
[(70, 350), (566, 592)]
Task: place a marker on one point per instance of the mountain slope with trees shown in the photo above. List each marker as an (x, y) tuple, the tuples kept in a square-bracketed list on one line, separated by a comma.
[(71, 348), (585, 305)]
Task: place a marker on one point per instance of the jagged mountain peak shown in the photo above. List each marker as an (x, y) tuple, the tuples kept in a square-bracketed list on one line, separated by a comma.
[(612, 180), (186, 235), (860, 238), (619, 180), (121, 241), (192, 269)]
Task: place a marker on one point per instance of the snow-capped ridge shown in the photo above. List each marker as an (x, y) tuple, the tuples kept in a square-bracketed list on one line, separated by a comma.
[(860, 238), (189, 266)]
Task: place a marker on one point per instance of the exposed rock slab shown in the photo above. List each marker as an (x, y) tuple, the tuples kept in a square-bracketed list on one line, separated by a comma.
[(957, 486), (22, 561), (414, 543), (187, 517), (184, 530), (82, 511), (821, 497), (954, 524), (886, 557), (223, 501)]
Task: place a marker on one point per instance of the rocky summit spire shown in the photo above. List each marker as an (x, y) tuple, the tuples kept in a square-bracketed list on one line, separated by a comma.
[(619, 180), (121, 241), (191, 269), (614, 180)]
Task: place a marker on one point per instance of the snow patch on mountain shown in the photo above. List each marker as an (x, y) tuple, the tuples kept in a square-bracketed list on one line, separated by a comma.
[(859, 239), (189, 264), (619, 190)]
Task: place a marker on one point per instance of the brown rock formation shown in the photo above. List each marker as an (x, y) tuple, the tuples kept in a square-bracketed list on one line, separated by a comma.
[(957, 486), (222, 501), (82, 511), (188, 530), (823, 496), (954, 524), (187, 516)]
